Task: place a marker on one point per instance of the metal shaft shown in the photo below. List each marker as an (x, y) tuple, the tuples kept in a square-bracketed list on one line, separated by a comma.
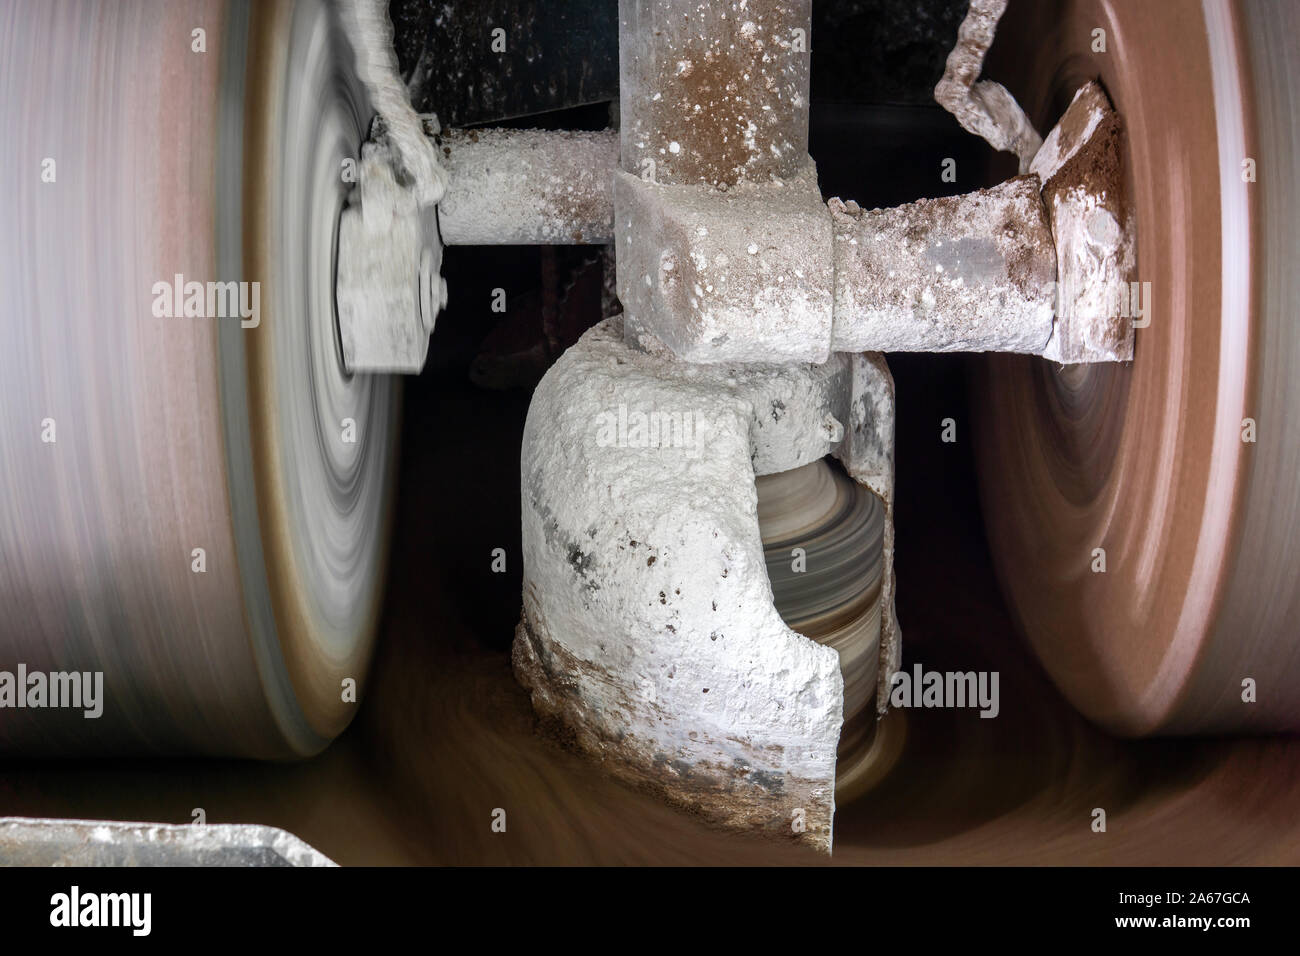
[(527, 187)]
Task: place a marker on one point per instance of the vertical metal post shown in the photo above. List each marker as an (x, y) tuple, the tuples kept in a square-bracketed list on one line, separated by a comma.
[(715, 92)]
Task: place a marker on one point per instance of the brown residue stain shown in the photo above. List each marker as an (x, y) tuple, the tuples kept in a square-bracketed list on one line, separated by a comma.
[(1097, 167), (1025, 237), (719, 67), (735, 797)]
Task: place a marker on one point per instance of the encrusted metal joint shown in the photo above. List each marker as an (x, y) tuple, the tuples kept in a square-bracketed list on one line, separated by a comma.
[(389, 288)]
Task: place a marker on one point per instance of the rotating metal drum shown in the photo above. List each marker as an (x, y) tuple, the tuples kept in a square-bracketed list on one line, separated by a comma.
[(1192, 624), (195, 496), (823, 546)]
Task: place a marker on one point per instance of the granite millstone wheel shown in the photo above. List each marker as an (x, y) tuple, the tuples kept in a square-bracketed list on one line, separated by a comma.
[(1191, 627), (196, 506)]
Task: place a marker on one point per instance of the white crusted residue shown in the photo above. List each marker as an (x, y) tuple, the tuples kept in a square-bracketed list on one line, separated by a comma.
[(528, 187), (649, 623), (759, 286), (960, 273)]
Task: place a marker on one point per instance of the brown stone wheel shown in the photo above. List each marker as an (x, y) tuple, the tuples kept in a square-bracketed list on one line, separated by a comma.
[(1200, 597)]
